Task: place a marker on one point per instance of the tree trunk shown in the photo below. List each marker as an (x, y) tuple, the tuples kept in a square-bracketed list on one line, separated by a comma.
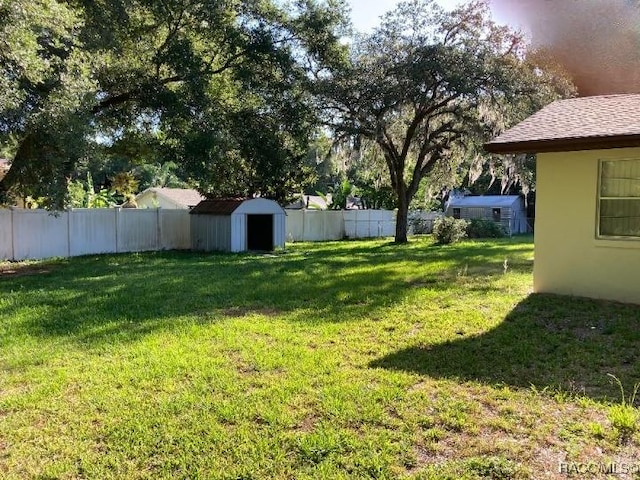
[(402, 219)]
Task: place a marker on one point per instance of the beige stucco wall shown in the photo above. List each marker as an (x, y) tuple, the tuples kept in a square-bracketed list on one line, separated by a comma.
[(149, 199), (569, 259)]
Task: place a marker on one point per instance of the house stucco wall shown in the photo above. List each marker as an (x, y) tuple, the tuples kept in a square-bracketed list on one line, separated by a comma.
[(569, 259), (150, 199)]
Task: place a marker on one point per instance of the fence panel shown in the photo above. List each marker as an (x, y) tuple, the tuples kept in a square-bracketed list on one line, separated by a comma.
[(175, 229), (40, 234), (314, 225), (6, 235), (138, 230), (369, 223), (334, 225), (294, 225), (322, 225), (92, 230)]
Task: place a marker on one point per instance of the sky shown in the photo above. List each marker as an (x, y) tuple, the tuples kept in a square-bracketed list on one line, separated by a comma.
[(365, 13)]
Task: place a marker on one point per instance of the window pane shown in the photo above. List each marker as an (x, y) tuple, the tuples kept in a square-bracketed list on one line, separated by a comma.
[(620, 217), (620, 208), (620, 178), (620, 187)]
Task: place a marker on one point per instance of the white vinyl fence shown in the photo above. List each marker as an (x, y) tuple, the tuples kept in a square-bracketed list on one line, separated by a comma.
[(319, 225), (35, 234)]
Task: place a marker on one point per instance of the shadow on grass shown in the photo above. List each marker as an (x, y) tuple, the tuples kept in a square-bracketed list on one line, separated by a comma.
[(565, 344), (95, 298)]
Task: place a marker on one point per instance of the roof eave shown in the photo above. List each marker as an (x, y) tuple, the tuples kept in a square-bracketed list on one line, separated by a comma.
[(564, 144)]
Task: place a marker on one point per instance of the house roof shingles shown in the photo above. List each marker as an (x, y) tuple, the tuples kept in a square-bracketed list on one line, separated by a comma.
[(586, 123), (217, 207)]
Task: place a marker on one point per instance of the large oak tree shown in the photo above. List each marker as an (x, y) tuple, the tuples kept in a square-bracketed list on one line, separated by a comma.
[(223, 85), (427, 84)]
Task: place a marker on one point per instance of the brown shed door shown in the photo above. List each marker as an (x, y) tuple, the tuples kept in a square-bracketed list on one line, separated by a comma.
[(260, 232)]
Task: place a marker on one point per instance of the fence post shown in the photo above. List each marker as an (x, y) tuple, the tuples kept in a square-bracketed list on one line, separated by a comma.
[(13, 234), (68, 212), (158, 231), (115, 211)]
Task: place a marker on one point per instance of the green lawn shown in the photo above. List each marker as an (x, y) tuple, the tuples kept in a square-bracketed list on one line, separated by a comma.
[(332, 360)]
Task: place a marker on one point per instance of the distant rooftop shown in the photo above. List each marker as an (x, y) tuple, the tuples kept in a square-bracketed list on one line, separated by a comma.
[(496, 201), (183, 196), (586, 123)]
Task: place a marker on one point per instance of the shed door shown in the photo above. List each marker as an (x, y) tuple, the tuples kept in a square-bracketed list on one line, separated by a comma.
[(260, 232)]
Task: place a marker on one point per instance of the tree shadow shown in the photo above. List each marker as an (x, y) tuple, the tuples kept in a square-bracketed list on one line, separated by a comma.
[(561, 343), (123, 297)]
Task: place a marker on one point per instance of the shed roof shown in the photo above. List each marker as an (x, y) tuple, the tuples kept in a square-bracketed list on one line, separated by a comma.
[(182, 196), (489, 201), (224, 206), (586, 123)]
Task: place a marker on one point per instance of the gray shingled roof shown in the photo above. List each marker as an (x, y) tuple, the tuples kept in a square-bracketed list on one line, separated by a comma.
[(586, 123)]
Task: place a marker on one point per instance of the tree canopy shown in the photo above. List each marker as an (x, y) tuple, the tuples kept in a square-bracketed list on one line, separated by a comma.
[(222, 85), (428, 85)]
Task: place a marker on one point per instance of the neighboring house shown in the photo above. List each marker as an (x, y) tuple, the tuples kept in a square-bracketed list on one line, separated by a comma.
[(587, 237), (506, 210), (232, 225), (173, 198)]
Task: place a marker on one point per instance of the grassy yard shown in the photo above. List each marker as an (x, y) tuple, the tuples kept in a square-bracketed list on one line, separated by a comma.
[(332, 360)]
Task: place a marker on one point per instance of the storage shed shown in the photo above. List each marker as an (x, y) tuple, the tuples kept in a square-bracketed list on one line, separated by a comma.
[(507, 210), (232, 225)]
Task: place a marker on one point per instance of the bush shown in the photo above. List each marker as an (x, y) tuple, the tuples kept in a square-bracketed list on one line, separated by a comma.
[(482, 228), (449, 230)]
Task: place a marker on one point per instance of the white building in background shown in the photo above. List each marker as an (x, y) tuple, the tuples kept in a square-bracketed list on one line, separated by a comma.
[(506, 210), (169, 198)]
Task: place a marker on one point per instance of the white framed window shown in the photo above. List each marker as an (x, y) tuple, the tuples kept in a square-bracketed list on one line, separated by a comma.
[(619, 199)]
